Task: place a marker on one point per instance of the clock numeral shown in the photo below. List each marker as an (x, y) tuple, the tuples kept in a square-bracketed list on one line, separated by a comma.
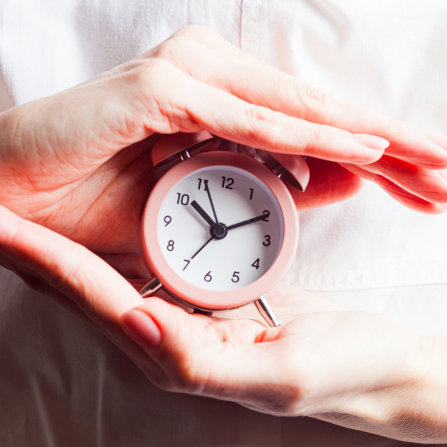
[(205, 183), (170, 246), (267, 241), (256, 264), (229, 182), (183, 199), (266, 215), (168, 220), (187, 263), (235, 277), (251, 193), (208, 277)]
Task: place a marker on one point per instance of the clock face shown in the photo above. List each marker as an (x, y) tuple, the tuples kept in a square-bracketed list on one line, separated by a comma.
[(237, 250)]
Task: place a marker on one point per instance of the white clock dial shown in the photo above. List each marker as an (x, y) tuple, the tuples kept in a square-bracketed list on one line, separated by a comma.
[(192, 246)]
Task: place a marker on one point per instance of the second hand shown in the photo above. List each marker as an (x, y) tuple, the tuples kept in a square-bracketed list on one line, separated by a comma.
[(202, 247)]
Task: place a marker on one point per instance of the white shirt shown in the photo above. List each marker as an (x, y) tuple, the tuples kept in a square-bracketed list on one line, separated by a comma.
[(61, 383)]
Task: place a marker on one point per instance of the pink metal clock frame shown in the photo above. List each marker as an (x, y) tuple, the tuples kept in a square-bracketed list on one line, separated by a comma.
[(208, 299)]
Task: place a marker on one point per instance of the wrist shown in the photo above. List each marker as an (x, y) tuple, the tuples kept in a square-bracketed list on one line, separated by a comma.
[(426, 403), (411, 409)]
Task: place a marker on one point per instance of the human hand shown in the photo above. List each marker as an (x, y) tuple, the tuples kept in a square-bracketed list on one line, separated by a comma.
[(354, 369), (78, 162)]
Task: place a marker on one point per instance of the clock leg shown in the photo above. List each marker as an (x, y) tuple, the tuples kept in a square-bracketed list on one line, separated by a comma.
[(208, 313), (154, 284), (151, 287), (266, 311)]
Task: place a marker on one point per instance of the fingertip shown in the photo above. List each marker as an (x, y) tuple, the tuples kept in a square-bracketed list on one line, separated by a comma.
[(329, 183), (372, 147), (142, 329), (408, 199), (426, 150), (438, 157), (439, 140)]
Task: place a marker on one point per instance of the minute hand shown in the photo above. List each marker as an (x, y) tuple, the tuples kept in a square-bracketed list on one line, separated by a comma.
[(264, 216)]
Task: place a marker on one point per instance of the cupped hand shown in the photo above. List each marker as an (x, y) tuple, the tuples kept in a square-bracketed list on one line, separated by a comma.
[(78, 162), (355, 369)]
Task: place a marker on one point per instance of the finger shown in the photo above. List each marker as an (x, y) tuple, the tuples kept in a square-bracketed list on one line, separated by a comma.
[(187, 105), (205, 55), (199, 359), (329, 183), (423, 183), (401, 195), (69, 267)]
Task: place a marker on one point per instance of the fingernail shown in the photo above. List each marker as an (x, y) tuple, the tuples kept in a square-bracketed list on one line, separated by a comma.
[(141, 328), (371, 141), (439, 140)]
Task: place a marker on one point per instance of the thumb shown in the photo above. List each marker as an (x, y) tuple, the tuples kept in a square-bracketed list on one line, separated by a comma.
[(199, 355), (176, 340)]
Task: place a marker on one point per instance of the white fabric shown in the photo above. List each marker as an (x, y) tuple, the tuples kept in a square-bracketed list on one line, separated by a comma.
[(63, 384)]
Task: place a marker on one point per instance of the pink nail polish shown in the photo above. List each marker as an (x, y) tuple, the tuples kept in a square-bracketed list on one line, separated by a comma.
[(371, 141), (142, 329), (439, 140)]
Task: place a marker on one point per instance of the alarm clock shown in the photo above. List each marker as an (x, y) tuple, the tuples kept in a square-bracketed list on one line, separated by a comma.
[(220, 229)]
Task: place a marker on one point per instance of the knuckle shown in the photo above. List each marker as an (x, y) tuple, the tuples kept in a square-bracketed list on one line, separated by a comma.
[(290, 402), (260, 120), (194, 374), (319, 132), (196, 32), (312, 99), (34, 283), (318, 96), (152, 70), (175, 49), (164, 384), (188, 379), (63, 279), (395, 129), (301, 393)]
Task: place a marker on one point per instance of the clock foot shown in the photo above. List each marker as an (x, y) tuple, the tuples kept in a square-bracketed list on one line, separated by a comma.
[(154, 284), (266, 311), (150, 288), (208, 313)]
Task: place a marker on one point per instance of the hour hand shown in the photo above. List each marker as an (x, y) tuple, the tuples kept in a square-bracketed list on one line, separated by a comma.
[(203, 213)]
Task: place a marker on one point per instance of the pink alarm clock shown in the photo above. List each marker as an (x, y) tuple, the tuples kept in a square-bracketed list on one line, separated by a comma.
[(220, 229)]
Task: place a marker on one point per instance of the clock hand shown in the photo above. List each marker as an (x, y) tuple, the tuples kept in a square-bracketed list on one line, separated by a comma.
[(203, 213), (202, 247), (211, 200), (249, 221)]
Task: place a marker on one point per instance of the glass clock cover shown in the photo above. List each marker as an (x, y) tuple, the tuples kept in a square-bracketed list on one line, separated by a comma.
[(227, 256), (234, 253)]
